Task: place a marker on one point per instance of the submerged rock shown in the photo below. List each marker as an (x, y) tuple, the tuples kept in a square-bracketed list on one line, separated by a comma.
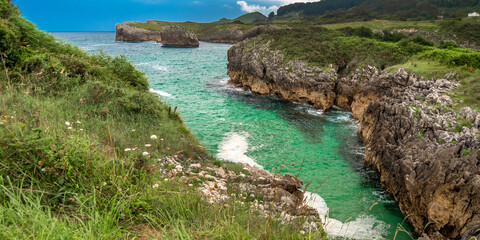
[(175, 36)]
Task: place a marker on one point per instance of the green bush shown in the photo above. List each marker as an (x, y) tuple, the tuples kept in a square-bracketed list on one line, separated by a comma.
[(448, 44)]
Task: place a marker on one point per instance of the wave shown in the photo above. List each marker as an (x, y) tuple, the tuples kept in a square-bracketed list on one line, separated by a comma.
[(161, 93), (363, 227), (233, 148), (160, 68)]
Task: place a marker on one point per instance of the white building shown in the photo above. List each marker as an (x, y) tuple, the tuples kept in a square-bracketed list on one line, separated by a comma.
[(473, 14)]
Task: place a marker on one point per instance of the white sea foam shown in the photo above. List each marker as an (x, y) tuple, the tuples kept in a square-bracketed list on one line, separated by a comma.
[(160, 68), (233, 148), (363, 227), (314, 112), (161, 93)]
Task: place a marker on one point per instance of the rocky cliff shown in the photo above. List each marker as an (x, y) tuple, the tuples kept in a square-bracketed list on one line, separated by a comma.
[(175, 36), (126, 33), (426, 154)]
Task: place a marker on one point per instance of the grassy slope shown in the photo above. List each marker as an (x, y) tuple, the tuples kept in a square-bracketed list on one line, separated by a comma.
[(66, 118)]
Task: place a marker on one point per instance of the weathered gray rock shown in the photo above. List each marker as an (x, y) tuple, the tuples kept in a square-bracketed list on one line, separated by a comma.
[(127, 33), (175, 36), (263, 71)]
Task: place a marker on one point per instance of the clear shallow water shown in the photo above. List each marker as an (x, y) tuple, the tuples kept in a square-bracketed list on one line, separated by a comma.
[(240, 126)]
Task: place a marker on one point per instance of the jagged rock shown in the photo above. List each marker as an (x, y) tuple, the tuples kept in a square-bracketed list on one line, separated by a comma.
[(263, 71), (126, 33), (175, 36)]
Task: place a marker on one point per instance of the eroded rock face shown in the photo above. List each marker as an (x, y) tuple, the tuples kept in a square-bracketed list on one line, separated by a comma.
[(431, 171), (263, 71), (175, 36), (126, 33)]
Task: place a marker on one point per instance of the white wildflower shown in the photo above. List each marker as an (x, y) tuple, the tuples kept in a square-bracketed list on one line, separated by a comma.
[(67, 123), (128, 149), (155, 185), (133, 130), (166, 179), (145, 153), (153, 137), (148, 145), (302, 232), (70, 128), (161, 139), (81, 129), (104, 184), (78, 122), (251, 195), (190, 185)]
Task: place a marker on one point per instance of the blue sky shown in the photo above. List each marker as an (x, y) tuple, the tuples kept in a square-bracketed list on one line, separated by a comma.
[(102, 15)]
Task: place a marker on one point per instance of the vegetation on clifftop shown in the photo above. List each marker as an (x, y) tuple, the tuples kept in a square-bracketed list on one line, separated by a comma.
[(80, 139), (349, 48)]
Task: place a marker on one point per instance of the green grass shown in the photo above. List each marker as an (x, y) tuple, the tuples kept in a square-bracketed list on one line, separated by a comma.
[(66, 121)]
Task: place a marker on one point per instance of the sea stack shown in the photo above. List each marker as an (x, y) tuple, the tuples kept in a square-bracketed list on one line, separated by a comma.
[(175, 36)]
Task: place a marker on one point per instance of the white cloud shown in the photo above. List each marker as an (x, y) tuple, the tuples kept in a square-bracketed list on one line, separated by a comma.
[(256, 8), (284, 2)]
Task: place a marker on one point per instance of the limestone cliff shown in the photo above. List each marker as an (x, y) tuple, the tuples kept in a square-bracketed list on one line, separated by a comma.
[(126, 33), (265, 72), (432, 171)]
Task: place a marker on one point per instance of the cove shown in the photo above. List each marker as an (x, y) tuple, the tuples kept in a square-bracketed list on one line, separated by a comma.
[(239, 126)]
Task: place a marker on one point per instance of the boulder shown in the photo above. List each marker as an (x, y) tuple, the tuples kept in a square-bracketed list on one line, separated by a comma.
[(175, 36)]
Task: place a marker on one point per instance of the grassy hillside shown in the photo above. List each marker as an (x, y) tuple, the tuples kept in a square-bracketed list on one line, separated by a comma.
[(387, 9), (80, 143)]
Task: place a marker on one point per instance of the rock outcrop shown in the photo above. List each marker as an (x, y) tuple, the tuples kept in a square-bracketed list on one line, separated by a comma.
[(426, 153), (280, 194), (127, 33), (264, 71), (175, 36)]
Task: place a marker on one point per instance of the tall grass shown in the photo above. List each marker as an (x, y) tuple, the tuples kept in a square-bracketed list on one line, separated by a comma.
[(78, 159)]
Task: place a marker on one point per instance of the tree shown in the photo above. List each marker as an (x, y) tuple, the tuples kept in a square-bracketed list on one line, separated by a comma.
[(271, 16)]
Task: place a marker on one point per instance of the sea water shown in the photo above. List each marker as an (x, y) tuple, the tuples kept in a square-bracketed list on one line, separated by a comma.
[(239, 126)]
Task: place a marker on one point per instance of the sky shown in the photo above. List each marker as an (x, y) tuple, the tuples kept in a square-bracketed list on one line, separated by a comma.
[(102, 15)]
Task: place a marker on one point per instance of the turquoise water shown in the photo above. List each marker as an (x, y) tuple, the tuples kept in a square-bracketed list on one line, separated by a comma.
[(240, 126)]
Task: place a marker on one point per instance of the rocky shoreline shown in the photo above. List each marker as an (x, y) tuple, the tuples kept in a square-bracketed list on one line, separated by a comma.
[(271, 194), (425, 152)]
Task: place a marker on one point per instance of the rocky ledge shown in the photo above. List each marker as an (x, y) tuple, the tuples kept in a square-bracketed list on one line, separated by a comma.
[(280, 195), (127, 33), (175, 36), (426, 153)]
